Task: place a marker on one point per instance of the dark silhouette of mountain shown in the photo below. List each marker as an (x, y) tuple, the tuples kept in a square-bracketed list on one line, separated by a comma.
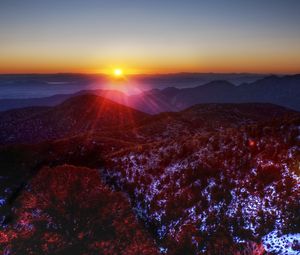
[(91, 113), (278, 90), (74, 116), (283, 91), (185, 80)]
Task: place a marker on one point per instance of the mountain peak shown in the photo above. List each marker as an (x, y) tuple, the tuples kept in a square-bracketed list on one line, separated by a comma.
[(85, 113), (218, 84)]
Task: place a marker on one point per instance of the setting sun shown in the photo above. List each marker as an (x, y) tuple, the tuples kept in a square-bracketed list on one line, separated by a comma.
[(118, 72)]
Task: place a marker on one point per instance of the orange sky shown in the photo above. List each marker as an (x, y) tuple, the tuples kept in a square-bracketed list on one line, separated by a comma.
[(223, 65), (150, 36)]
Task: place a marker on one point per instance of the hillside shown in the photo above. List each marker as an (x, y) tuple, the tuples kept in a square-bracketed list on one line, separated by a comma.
[(68, 223), (212, 179), (76, 115)]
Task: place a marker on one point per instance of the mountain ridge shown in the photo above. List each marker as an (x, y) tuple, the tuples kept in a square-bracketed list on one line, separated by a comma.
[(280, 90), (91, 113), (73, 116)]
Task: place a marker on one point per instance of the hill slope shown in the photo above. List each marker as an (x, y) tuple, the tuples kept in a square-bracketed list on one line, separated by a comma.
[(212, 179), (85, 113)]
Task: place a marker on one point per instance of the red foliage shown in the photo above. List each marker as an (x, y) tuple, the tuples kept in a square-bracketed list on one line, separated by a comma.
[(68, 210)]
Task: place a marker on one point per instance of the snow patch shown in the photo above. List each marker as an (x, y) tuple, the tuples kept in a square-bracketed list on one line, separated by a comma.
[(285, 244)]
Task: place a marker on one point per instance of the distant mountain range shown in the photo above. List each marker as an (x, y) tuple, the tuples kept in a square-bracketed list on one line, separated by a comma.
[(284, 91), (46, 85)]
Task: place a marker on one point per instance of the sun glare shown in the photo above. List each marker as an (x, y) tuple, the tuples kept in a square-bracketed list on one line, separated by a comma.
[(118, 72)]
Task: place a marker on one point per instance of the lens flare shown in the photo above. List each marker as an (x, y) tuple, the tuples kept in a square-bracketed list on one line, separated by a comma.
[(118, 72)]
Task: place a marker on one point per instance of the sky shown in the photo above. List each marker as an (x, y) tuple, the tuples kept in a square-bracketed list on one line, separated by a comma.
[(157, 36)]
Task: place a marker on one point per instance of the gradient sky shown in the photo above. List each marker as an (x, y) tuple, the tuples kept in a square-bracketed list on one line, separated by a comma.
[(154, 36)]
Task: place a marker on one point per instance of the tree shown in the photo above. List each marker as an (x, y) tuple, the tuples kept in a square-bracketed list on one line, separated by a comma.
[(68, 210)]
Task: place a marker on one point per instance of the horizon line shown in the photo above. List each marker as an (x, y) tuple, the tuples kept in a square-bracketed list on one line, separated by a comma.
[(153, 74)]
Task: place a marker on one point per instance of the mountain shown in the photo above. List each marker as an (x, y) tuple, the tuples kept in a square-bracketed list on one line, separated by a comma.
[(75, 115), (278, 90), (185, 80), (210, 179), (281, 90), (7, 104), (91, 113), (45, 85)]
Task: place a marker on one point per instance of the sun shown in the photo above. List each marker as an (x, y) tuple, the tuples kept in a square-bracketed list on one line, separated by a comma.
[(118, 72)]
